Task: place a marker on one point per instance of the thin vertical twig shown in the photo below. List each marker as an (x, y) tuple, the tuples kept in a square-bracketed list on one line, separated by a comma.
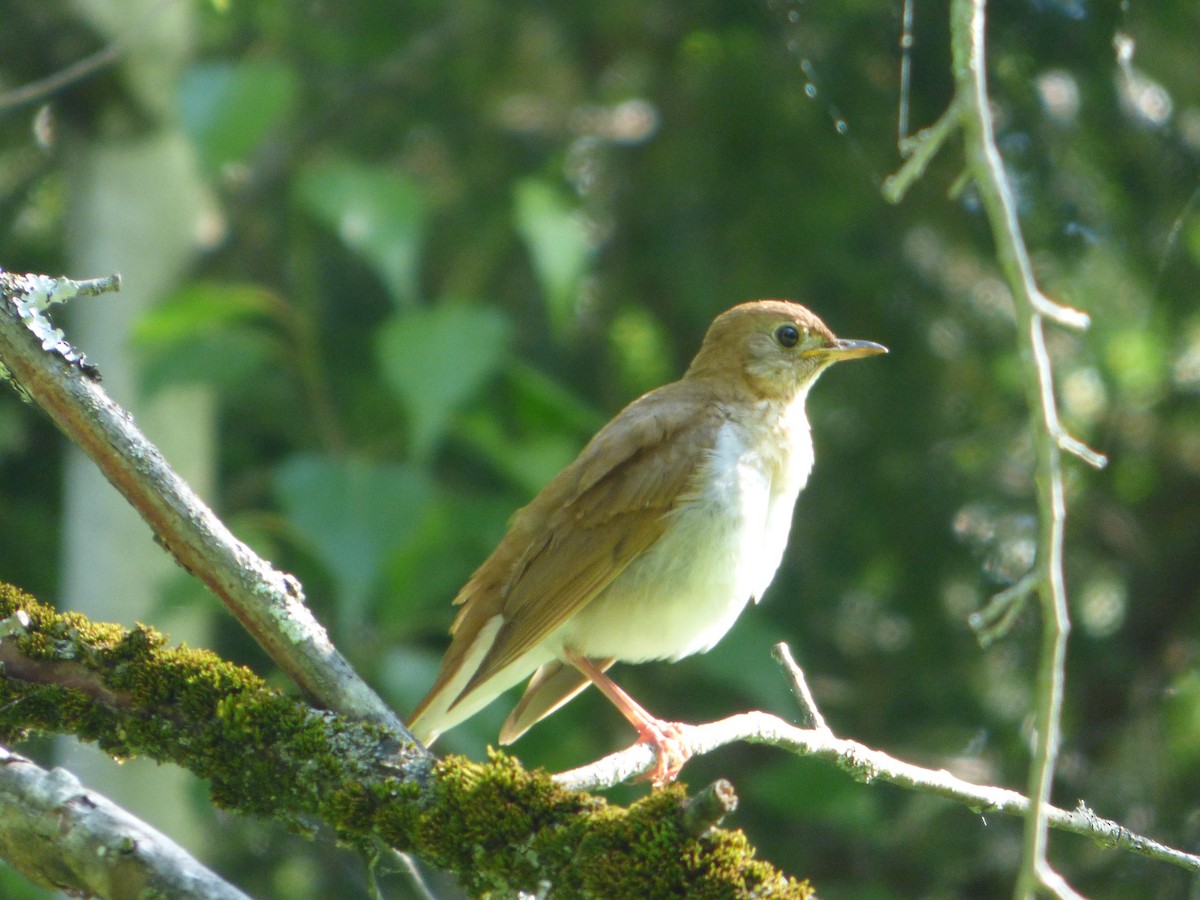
[(906, 47), (970, 110), (986, 168)]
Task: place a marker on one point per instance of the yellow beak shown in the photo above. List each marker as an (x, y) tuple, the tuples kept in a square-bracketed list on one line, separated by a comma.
[(841, 350)]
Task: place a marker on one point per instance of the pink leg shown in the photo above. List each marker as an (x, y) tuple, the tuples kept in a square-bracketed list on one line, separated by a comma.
[(668, 738)]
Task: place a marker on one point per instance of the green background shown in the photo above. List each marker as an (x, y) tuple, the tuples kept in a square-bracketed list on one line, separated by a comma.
[(455, 238)]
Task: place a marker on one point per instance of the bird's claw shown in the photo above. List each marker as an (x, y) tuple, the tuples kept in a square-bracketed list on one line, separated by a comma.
[(672, 750)]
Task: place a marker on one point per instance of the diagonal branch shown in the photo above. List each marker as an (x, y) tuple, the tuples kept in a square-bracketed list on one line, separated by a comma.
[(39, 90), (65, 837), (268, 603), (920, 151), (799, 685)]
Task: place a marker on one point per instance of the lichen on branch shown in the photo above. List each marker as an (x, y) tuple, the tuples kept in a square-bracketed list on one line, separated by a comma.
[(499, 827)]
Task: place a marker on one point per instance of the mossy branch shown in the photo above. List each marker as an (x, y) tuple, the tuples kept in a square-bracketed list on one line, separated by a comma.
[(498, 827)]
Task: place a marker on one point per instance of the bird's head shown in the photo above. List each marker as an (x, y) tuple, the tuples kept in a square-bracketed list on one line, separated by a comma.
[(775, 348)]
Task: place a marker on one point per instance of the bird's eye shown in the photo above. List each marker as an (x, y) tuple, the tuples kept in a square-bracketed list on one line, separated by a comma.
[(787, 335)]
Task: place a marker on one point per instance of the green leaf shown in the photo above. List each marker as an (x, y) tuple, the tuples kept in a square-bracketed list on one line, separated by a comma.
[(529, 461), (1192, 240), (227, 109), (547, 402), (419, 579), (352, 513), (435, 359), (640, 349), (548, 223), (209, 333), (377, 213), (203, 307)]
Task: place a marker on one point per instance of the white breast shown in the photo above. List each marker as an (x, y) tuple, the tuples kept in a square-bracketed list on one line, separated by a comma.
[(721, 549)]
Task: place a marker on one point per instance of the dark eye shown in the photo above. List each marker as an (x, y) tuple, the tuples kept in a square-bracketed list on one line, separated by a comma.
[(787, 335)]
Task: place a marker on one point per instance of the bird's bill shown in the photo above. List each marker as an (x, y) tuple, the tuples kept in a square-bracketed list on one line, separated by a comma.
[(841, 350)]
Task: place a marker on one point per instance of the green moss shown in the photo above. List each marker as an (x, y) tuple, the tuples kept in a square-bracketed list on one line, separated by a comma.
[(497, 825), (523, 825), (644, 852), (261, 751), (496, 811)]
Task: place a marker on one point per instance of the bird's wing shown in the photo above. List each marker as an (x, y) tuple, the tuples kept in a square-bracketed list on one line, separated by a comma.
[(610, 506), (597, 516)]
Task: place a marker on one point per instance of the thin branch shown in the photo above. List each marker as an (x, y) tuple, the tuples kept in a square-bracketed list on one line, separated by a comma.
[(137, 31), (970, 109), (94, 287), (1045, 373), (868, 765), (906, 48), (268, 603), (808, 706), (1067, 316), (63, 836), (968, 46), (36, 91), (920, 150), (1078, 448), (996, 619)]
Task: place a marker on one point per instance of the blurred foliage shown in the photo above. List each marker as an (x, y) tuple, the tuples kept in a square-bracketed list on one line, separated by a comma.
[(456, 237)]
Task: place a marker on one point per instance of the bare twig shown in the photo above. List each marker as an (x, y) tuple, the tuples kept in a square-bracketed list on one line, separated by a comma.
[(36, 91), (996, 619), (1078, 448), (920, 150), (1067, 316), (94, 287), (906, 48), (968, 41), (64, 836), (269, 603), (867, 765), (812, 715), (970, 110)]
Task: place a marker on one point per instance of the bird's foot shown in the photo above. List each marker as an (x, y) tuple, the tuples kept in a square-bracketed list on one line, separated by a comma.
[(669, 739), (672, 746)]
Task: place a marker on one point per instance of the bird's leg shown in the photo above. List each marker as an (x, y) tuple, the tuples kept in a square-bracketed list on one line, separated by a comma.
[(668, 738)]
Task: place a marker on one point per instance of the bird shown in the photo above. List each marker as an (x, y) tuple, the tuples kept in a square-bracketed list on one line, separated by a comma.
[(650, 544)]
